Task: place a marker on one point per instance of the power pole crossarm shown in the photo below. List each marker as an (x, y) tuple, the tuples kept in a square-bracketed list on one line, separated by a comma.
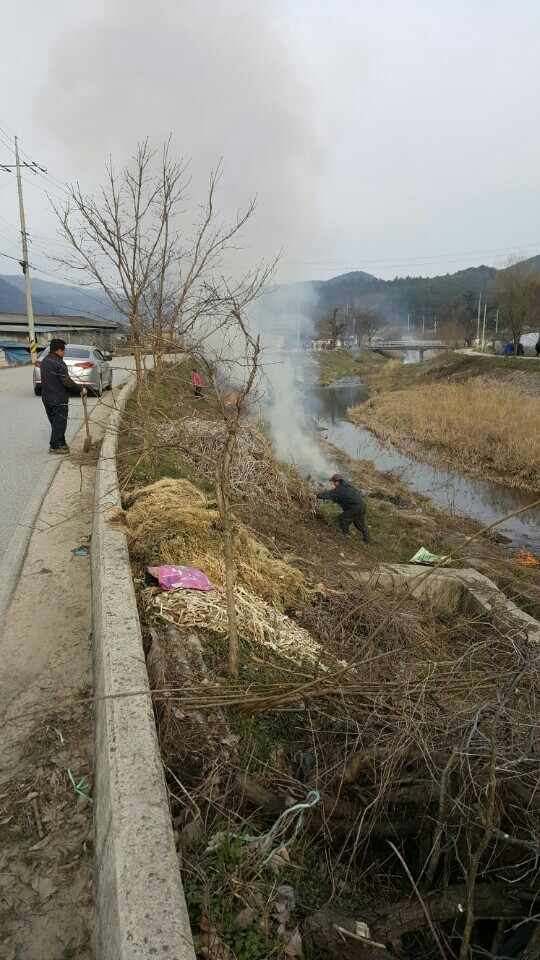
[(25, 265)]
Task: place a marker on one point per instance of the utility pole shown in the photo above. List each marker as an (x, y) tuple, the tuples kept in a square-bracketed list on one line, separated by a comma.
[(435, 324), (478, 322), (423, 324), (25, 265), (484, 330), (24, 262), (298, 320), (497, 321), (408, 324)]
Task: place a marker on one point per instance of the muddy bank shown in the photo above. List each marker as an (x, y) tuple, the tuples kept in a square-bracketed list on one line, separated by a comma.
[(448, 489)]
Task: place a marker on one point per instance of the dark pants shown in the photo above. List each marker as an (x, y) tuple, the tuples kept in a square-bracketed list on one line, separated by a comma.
[(197, 391), (357, 516), (58, 415)]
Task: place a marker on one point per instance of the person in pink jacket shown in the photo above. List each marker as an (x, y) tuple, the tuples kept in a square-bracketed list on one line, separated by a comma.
[(197, 383)]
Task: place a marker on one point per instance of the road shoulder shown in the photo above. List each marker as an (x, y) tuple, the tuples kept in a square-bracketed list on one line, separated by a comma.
[(46, 902)]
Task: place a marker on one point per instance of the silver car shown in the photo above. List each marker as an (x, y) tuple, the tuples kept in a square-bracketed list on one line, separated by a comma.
[(87, 366)]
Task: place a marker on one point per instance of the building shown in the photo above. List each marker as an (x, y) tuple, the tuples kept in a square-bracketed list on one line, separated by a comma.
[(14, 346)]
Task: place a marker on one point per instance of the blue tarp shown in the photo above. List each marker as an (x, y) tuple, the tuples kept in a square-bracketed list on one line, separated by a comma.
[(16, 352), (508, 349)]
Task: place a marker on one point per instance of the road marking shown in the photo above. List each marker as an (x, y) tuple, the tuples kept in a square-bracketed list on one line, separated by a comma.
[(14, 387)]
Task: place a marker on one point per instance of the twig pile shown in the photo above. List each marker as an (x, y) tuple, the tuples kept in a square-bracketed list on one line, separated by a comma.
[(254, 469), (428, 739)]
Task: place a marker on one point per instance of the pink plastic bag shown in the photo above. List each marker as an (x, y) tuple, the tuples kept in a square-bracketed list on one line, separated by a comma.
[(189, 578)]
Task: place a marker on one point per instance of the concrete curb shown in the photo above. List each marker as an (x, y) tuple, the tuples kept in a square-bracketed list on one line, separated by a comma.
[(140, 905), (15, 554)]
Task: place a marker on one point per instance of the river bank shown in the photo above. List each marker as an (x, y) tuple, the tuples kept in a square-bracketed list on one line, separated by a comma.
[(487, 430), (478, 414), (286, 784)]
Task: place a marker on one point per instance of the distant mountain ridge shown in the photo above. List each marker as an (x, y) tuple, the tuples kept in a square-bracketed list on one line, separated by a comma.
[(417, 296), (52, 298)]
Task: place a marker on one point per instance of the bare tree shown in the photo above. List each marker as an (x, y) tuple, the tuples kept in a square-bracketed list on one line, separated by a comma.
[(518, 295), (231, 366), (128, 239), (368, 324), (452, 335), (329, 327)]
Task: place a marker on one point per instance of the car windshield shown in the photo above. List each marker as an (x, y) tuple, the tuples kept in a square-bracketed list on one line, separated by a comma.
[(78, 352)]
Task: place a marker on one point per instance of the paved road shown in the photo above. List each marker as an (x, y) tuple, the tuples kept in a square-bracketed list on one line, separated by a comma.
[(469, 352), (24, 440)]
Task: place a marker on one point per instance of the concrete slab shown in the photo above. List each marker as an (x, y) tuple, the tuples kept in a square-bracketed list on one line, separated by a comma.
[(463, 591)]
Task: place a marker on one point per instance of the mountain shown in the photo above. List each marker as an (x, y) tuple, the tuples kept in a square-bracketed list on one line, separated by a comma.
[(417, 296), (11, 300), (49, 297)]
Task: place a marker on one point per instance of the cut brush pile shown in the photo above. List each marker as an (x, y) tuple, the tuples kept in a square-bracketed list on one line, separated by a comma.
[(254, 469), (258, 621)]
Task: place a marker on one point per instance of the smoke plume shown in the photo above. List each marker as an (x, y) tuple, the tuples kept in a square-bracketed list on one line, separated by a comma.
[(222, 78), (283, 318)]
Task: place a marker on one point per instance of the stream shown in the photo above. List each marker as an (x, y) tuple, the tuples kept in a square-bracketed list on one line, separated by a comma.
[(447, 488)]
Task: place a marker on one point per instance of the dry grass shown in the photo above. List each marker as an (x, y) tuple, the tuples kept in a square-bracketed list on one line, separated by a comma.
[(258, 621), (171, 522), (486, 429)]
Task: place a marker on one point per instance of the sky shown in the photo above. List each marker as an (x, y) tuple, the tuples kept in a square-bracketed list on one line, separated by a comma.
[(396, 138)]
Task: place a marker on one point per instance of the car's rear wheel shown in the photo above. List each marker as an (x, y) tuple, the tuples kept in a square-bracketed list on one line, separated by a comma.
[(37, 391), (99, 391)]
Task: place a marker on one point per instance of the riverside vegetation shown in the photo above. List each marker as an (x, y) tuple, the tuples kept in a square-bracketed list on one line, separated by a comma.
[(482, 419), (374, 763)]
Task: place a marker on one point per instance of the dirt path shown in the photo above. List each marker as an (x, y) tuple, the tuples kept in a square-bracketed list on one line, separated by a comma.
[(46, 906)]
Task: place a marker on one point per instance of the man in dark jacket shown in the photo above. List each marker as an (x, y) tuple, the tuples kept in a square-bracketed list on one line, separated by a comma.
[(350, 501), (55, 386)]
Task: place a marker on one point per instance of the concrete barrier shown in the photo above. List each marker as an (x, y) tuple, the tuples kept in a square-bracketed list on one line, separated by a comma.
[(140, 906), (463, 591)]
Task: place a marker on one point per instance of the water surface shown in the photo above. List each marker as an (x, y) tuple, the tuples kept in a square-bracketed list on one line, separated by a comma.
[(447, 488)]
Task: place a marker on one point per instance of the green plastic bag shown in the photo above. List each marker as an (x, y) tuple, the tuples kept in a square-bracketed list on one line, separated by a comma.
[(424, 556)]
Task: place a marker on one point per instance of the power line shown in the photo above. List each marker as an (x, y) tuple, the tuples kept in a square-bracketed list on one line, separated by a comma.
[(39, 153), (35, 168)]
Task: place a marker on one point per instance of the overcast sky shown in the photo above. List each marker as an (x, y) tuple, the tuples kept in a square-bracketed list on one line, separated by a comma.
[(382, 136)]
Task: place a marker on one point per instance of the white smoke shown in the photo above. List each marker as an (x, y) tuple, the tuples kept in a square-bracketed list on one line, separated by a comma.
[(222, 78), (292, 432), (285, 319)]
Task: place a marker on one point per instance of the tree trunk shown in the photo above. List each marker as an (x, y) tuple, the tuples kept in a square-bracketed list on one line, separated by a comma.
[(138, 375), (387, 924), (158, 369), (224, 508)]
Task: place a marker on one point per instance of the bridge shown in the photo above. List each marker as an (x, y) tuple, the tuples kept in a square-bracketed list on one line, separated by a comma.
[(410, 344), (419, 346)]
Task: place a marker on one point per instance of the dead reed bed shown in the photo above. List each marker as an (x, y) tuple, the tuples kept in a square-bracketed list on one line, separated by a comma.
[(486, 429)]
